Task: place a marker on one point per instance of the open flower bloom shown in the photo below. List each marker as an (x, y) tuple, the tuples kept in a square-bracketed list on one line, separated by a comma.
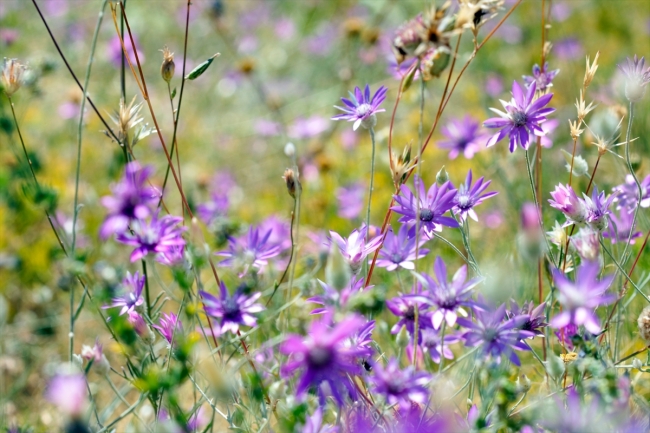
[(469, 196), (355, 248), (232, 310), (401, 250), (158, 235), (360, 108), (463, 137), (132, 298), (69, 393), (566, 201), (250, 251), (400, 386)]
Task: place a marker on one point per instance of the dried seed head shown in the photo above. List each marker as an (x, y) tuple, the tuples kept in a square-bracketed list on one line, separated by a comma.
[(402, 165), (128, 118), (12, 76), (590, 71), (353, 27), (575, 129), (583, 108), (291, 182), (167, 68), (644, 324)]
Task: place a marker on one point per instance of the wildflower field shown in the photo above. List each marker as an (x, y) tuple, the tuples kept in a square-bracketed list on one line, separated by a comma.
[(376, 216)]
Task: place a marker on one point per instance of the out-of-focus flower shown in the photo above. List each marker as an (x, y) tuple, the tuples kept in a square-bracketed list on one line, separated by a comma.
[(573, 416), (522, 119), (586, 244), (643, 322), (620, 229), (432, 342), (12, 77), (199, 420), (158, 235), (131, 200), (404, 307), (173, 256), (355, 248), (139, 325), (314, 424), (170, 326), (69, 393), (566, 200), (535, 317), (128, 118), (115, 52), (493, 85), (429, 207), (627, 194), (469, 196), (350, 200), (250, 251), (542, 77), (579, 298), (232, 310), (401, 250), (548, 127), (304, 128), (361, 109), (637, 78), (463, 137), (267, 128), (400, 386), (565, 335), (332, 298), (568, 48), (132, 298), (598, 209)]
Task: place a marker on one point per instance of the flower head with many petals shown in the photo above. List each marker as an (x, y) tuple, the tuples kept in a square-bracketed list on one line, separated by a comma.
[(637, 78), (400, 250), (400, 386), (567, 201), (132, 298), (522, 119), (360, 108), (234, 310), (469, 196), (463, 137), (355, 248), (250, 251), (158, 235), (598, 209), (404, 307), (69, 393), (170, 326), (542, 77)]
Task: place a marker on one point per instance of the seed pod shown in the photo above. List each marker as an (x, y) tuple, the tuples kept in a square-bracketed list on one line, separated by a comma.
[(291, 181), (167, 68)]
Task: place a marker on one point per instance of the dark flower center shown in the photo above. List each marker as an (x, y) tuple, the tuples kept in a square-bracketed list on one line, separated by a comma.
[(490, 335), (319, 357), (230, 308), (396, 258), (519, 118), (465, 201), (426, 215), (394, 387), (409, 314)]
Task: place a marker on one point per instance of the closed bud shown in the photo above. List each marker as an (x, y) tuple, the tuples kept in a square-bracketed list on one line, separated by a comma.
[(12, 76), (291, 182), (442, 176), (290, 150), (402, 338), (524, 383), (555, 366), (644, 324), (337, 269), (637, 364), (167, 68)]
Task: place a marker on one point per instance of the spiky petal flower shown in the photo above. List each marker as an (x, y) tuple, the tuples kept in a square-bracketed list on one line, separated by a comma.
[(251, 251), (132, 298), (587, 244), (522, 119), (448, 297), (158, 235), (433, 343), (404, 307), (355, 248), (580, 297), (598, 209), (469, 196), (361, 109), (350, 200), (400, 250), (620, 229), (495, 336), (535, 317), (542, 77), (232, 311), (400, 386), (637, 78), (463, 137), (566, 201), (324, 357), (169, 327), (428, 208), (132, 199), (128, 118), (12, 76), (627, 196)]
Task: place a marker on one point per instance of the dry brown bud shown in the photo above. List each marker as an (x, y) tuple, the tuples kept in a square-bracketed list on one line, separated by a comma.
[(644, 324), (167, 68), (291, 181)]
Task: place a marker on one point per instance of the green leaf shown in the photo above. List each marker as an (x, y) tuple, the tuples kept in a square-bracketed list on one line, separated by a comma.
[(199, 70), (174, 93)]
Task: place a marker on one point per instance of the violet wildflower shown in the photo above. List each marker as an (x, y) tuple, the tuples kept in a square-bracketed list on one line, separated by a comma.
[(94, 353), (324, 357), (219, 203), (542, 77), (234, 310), (173, 256), (566, 200), (637, 78), (469, 196), (69, 393), (433, 343), (355, 248), (158, 235), (361, 109), (350, 200), (598, 209), (463, 137), (169, 327), (620, 229), (404, 307), (132, 199), (132, 298), (361, 340), (627, 194), (573, 416), (333, 298), (587, 243), (579, 298), (139, 325), (400, 386), (314, 424), (448, 297), (495, 336), (251, 251), (535, 317), (305, 128), (401, 250), (522, 119), (565, 335), (431, 207)]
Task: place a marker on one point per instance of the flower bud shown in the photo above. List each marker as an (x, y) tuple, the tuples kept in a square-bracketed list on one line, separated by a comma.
[(555, 366), (167, 68), (402, 338), (442, 176), (637, 364), (291, 182), (12, 76), (644, 324), (290, 150), (524, 383)]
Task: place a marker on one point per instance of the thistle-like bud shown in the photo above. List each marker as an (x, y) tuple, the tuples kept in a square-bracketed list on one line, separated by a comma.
[(644, 324), (291, 181), (402, 165), (168, 66), (442, 176), (590, 71), (12, 76), (575, 129)]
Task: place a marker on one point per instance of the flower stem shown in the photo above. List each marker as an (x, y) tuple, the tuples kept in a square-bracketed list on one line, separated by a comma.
[(535, 198), (372, 183), (146, 287)]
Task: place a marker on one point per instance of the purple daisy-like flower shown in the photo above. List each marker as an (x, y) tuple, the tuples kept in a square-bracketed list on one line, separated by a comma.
[(535, 317), (566, 201), (169, 327), (132, 298), (542, 77), (430, 207), (522, 118), (360, 108), (158, 235), (463, 137), (324, 357), (350, 200), (637, 78), (332, 298), (400, 386), (620, 229), (138, 324), (494, 336), (131, 200), (404, 307), (94, 353), (433, 343), (580, 298), (469, 196), (565, 335), (598, 209), (232, 310), (587, 244), (401, 250), (251, 251), (69, 393), (173, 256), (355, 248), (627, 194), (448, 297)]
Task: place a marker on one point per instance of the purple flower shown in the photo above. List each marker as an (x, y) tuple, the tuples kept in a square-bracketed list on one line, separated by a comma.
[(565, 335), (251, 251), (627, 196), (69, 393), (361, 109), (430, 207), (132, 199), (404, 307), (522, 118), (324, 357), (138, 324), (573, 416), (159, 235), (535, 317), (621, 228), (568, 48), (332, 298), (598, 209), (448, 297), (432, 342), (169, 326), (115, 51), (579, 298), (232, 310), (542, 77), (586, 242), (400, 386), (350, 200), (400, 250), (219, 203), (314, 424), (304, 128), (637, 78), (92, 353), (469, 196), (132, 299), (566, 200), (495, 337), (355, 248), (464, 136), (173, 256)]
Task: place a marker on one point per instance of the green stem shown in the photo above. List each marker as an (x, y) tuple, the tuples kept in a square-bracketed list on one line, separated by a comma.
[(539, 216), (442, 345), (146, 287), (372, 182), (620, 268)]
